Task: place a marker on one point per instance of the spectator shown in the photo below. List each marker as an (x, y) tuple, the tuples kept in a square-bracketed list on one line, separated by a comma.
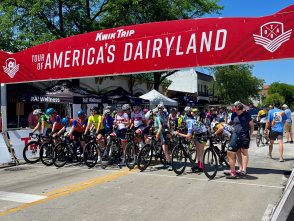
[(222, 115), (288, 125), (230, 114), (33, 121), (240, 141), (277, 119), (270, 107)]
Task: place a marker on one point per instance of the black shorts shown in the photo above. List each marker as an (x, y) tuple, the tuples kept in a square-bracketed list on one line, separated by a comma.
[(201, 138), (48, 131), (274, 135), (238, 141), (78, 135), (102, 132)]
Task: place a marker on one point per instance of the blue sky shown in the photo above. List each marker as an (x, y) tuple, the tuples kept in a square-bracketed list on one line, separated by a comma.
[(281, 71)]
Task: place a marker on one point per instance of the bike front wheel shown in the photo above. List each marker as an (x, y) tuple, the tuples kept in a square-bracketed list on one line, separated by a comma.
[(46, 153), (209, 163), (129, 156), (178, 160), (90, 155), (31, 152), (144, 157), (61, 155)]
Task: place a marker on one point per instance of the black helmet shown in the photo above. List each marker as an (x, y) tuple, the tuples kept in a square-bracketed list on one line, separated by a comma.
[(276, 104), (92, 109)]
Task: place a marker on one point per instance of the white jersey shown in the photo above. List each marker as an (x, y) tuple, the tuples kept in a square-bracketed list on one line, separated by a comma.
[(138, 118), (228, 130), (120, 119)]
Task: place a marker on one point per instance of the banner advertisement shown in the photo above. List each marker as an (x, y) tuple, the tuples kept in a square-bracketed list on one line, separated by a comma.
[(4, 153), (19, 138), (157, 46)]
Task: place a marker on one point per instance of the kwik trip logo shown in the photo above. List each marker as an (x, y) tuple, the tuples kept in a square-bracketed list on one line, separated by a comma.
[(272, 35), (11, 67)]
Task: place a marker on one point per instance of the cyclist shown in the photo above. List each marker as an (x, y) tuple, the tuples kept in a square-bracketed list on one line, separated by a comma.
[(96, 120), (121, 121), (126, 109), (200, 137), (173, 119), (222, 129), (210, 117), (54, 120), (262, 117), (139, 123), (43, 120), (222, 115), (188, 113), (165, 117), (108, 121), (161, 134)]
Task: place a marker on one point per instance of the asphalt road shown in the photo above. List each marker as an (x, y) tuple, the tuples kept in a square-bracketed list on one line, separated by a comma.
[(74, 192)]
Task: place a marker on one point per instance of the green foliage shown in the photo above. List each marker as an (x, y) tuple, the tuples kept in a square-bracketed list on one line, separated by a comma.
[(259, 105), (285, 90), (235, 83), (274, 97)]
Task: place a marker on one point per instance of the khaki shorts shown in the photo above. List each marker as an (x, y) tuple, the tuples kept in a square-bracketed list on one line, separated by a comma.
[(288, 127)]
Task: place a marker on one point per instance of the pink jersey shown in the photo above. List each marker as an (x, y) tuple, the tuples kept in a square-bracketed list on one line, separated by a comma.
[(138, 118), (119, 119)]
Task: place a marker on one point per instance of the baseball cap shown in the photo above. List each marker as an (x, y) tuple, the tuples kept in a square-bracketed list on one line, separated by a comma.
[(276, 104)]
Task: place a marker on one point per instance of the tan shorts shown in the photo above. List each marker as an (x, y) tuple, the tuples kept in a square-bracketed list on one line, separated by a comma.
[(288, 127)]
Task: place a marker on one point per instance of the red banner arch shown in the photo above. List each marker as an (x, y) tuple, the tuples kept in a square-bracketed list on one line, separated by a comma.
[(155, 47)]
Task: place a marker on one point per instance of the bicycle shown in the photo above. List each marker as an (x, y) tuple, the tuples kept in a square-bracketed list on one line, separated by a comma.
[(210, 161), (131, 149), (63, 152), (31, 153), (148, 151), (260, 137), (182, 151), (91, 152), (46, 152)]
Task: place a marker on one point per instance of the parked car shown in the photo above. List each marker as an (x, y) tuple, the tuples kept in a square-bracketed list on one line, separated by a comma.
[(254, 112)]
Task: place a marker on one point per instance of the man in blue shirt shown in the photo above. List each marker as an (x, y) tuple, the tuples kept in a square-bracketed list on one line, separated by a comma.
[(288, 125), (277, 119)]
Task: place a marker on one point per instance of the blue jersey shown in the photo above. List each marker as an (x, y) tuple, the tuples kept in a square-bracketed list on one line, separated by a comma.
[(288, 115), (276, 118), (164, 117), (196, 126)]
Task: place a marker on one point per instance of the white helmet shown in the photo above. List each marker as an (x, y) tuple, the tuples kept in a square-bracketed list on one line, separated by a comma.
[(160, 106), (285, 106), (37, 111), (187, 108), (125, 107), (155, 110), (213, 124), (106, 112)]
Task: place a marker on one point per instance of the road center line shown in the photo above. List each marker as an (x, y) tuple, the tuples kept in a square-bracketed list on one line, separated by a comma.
[(62, 193)]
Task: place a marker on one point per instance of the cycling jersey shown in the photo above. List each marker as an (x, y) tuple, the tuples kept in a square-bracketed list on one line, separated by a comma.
[(120, 119), (164, 117), (228, 129), (138, 118), (95, 120), (195, 126), (44, 118), (263, 115), (173, 120), (56, 119), (157, 123), (79, 125)]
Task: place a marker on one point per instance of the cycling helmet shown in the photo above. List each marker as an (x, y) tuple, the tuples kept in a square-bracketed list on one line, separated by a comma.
[(125, 107), (109, 107), (155, 110), (49, 111), (65, 122), (37, 111), (212, 109), (285, 106), (81, 113), (119, 108), (173, 110), (137, 105), (145, 110), (114, 112), (106, 112), (187, 108), (92, 109), (160, 106), (213, 124), (194, 109)]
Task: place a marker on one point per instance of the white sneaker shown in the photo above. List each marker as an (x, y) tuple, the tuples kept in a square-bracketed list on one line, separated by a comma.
[(133, 162), (281, 159), (170, 168), (99, 161)]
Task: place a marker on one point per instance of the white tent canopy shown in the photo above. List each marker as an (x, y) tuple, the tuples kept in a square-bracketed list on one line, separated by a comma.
[(155, 98)]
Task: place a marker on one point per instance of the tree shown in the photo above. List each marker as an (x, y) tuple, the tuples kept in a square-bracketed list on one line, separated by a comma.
[(27, 23), (233, 83), (285, 90), (274, 97)]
